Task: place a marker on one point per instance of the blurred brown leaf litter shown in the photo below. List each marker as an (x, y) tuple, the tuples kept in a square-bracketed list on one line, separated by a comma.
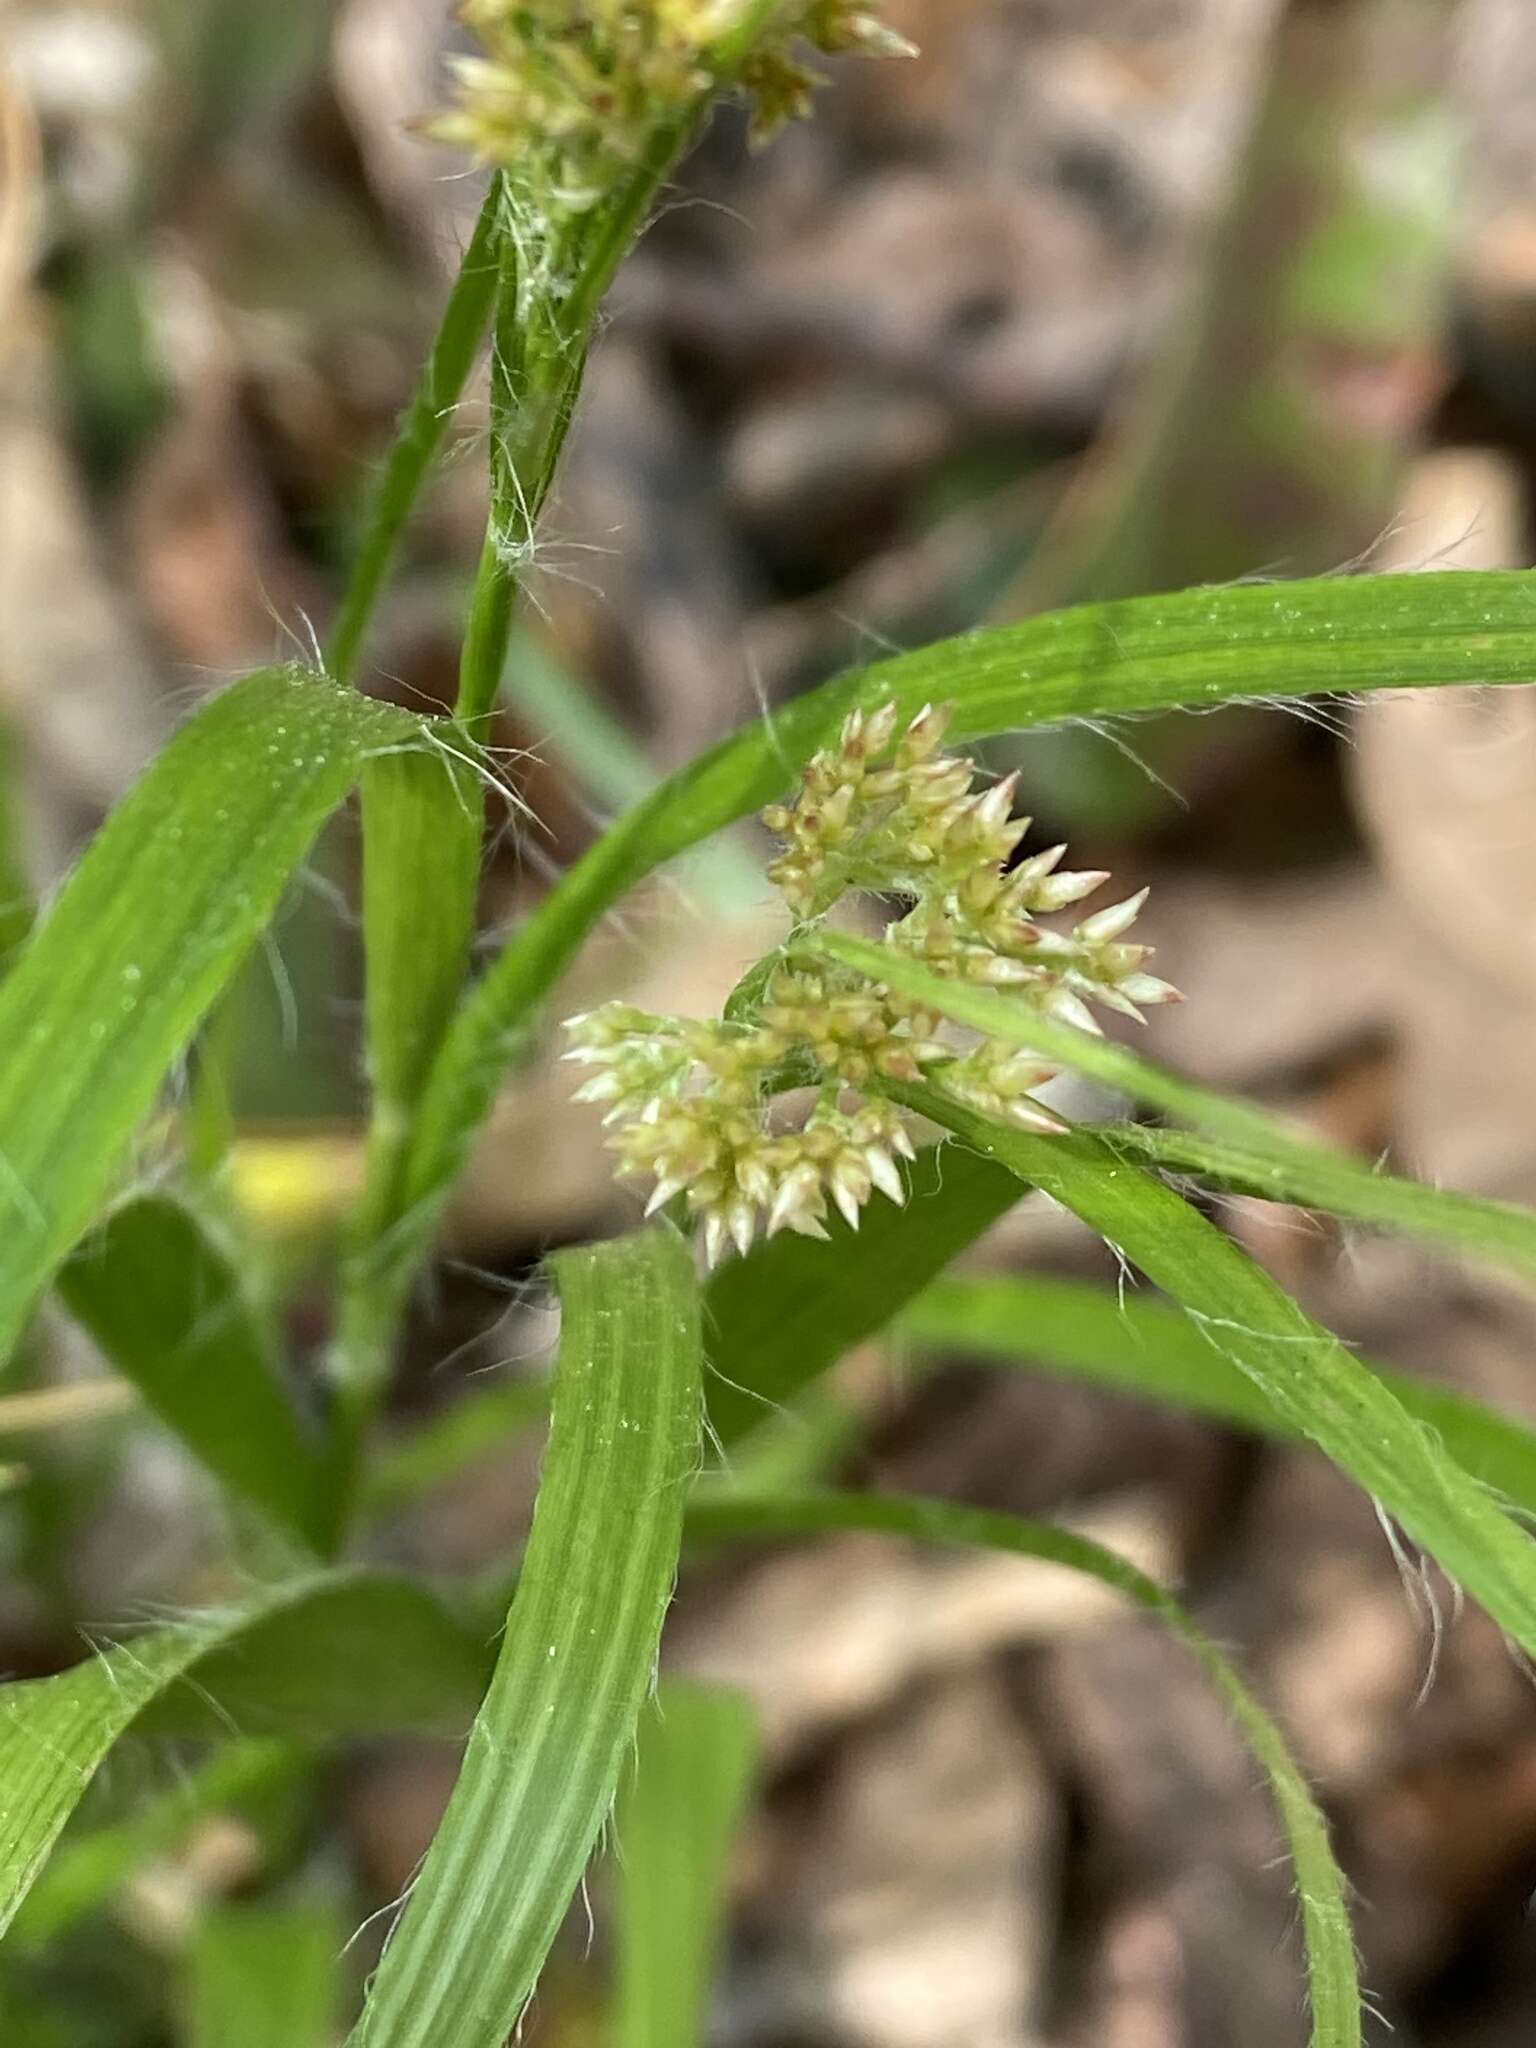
[(1093, 296)]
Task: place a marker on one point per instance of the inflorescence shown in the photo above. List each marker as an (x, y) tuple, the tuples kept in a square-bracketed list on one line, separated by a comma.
[(695, 1101), (565, 95)]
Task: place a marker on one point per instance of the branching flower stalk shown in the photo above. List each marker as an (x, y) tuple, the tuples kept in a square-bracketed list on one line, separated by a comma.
[(580, 112), (695, 1102)]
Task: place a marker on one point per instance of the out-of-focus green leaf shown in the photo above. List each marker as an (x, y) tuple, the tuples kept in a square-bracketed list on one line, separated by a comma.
[(115, 978), (1313, 1383), (26, 2021), (438, 1450), (264, 1976), (1330, 1947), (1251, 1149), (1152, 1349), (559, 706), (678, 1813), (1197, 649), (776, 1319), (562, 708), (167, 1308), (17, 906), (345, 1652), (577, 1659), (249, 1779)]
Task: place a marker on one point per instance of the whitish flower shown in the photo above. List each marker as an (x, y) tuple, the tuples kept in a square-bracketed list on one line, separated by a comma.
[(880, 811), (693, 1105)]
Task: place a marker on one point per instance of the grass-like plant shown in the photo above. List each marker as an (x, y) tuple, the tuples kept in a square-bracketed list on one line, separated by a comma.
[(923, 1052)]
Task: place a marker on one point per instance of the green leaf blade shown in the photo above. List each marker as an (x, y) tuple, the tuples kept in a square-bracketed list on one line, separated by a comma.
[(167, 899), (1331, 1969), (336, 1652), (546, 1751), (1313, 1383), (1238, 1145), (1152, 1350), (166, 1306)]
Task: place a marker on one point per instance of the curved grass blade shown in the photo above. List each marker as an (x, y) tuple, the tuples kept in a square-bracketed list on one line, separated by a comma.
[(576, 1662), (1195, 650), (1316, 1177), (1153, 1350), (1317, 1387), (166, 1306), (341, 1652), (171, 892), (678, 1813), (776, 1319), (1239, 1144), (1331, 1968)]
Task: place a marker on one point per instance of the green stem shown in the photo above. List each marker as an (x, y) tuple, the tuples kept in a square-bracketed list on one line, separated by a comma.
[(486, 636), (538, 358), (465, 319)]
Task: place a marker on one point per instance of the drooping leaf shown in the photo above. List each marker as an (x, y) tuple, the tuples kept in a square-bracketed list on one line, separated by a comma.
[(343, 1652), (1238, 1144), (1313, 1383), (678, 1812), (1331, 1969), (1152, 1349), (576, 1661), (1196, 649), (170, 894), (166, 1306)]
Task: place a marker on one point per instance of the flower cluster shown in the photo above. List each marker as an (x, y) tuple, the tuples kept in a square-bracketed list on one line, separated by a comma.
[(565, 92), (887, 813), (893, 814), (691, 1101)]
